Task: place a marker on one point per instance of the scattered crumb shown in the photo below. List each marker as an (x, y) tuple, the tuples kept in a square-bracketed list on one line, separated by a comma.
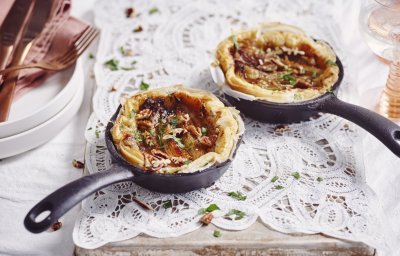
[(78, 164), (56, 226), (281, 128)]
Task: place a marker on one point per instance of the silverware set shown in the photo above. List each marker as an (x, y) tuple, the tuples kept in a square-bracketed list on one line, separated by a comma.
[(24, 22)]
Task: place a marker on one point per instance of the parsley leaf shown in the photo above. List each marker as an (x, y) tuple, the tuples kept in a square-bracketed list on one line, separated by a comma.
[(144, 86), (153, 10), (297, 96), (167, 204), (210, 208), (178, 141), (174, 122), (97, 133), (288, 77), (279, 187), (237, 195), (331, 62), (275, 178), (313, 74), (112, 64), (319, 179), (91, 56), (217, 233), (296, 175), (235, 214)]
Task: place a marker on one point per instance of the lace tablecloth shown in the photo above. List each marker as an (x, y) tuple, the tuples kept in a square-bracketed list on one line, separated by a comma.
[(328, 194)]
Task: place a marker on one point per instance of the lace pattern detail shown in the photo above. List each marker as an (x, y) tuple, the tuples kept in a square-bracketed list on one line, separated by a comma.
[(329, 195)]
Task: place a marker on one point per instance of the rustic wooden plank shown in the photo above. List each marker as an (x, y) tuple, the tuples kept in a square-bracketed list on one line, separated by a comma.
[(256, 240)]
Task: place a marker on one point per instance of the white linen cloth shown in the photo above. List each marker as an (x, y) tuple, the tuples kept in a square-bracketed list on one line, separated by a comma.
[(26, 179)]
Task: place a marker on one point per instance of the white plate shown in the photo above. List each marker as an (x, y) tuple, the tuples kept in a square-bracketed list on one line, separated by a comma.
[(16, 144), (42, 103)]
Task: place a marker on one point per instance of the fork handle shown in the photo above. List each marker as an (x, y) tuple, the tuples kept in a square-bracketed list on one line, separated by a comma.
[(5, 53), (15, 68), (10, 81)]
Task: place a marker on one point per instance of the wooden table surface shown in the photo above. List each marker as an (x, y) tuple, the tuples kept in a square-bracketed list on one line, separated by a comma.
[(256, 240)]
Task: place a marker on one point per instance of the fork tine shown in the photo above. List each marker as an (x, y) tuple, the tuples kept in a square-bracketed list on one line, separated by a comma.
[(73, 49), (82, 47)]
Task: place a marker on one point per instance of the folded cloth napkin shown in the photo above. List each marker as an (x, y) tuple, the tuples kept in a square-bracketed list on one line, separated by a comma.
[(52, 42)]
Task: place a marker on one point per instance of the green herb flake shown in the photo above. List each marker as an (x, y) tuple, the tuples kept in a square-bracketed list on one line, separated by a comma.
[(237, 195), (217, 233), (122, 50), (235, 42), (167, 204), (144, 86), (313, 74), (331, 62), (319, 179), (275, 178), (288, 77), (203, 131), (297, 96), (153, 10), (97, 134), (132, 113), (138, 29), (202, 211), (279, 187), (178, 141), (174, 122), (91, 56), (112, 64), (212, 207), (187, 162), (237, 214), (296, 175)]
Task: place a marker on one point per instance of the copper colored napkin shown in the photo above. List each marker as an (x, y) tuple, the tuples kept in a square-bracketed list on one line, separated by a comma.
[(59, 33)]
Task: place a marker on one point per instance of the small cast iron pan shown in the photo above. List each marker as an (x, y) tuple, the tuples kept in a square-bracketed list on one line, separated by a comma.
[(383, 129), (62, 200)]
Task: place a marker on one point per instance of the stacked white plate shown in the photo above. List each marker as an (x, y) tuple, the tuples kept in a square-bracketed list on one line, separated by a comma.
[(40, 114)]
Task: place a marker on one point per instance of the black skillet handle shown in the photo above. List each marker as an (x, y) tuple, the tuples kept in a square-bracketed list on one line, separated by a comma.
[(62, 200), (382, 128)]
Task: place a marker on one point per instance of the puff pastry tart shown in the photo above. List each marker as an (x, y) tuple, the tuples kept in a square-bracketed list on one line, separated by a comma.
[(174, 129), (278, 63)]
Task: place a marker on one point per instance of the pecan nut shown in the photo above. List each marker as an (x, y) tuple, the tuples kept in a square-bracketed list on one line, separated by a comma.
[(207, 218)]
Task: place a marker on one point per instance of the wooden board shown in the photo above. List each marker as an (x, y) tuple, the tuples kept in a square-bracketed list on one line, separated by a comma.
[(256, 240)]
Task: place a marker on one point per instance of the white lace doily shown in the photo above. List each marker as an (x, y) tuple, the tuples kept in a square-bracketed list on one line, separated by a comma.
[(175, 46)]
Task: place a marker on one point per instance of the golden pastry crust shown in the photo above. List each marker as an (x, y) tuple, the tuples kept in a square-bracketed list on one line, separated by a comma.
[(277, 62), (173, 129)]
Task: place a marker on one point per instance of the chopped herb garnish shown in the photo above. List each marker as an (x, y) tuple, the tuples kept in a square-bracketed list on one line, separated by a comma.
[(132, 113), (296, 175), (138, 136), (174, 122), (210, 208), (237, 195), (167, 204), (131, 67), (329, 90), (319, 179), (91, 56), (235, 42), (289, 78), (122, 50), (275, 178), (279, 187), (187, 162), (235, 214), (144, 86), (97, 133), (153, 10), (178, 141), (297, 96), (112, 64), (203, 130), (331, 62), (217, 233), (313, 74)]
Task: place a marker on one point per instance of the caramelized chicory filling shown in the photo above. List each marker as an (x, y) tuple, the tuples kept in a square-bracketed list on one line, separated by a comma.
[(173, 131), (277, 68)]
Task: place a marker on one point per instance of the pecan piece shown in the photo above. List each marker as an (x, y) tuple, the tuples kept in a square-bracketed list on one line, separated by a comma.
[(195, 131), (146, 124), (302, 84), (159, 153), (78, 164), (207, 218), (281, 128), (205, 140), (143, 114)]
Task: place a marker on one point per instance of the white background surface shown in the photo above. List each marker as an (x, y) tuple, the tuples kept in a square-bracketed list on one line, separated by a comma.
[(27, 178)]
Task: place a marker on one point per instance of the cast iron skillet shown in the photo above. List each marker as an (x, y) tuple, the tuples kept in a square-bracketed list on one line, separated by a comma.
[(383, 129), (63, 199)]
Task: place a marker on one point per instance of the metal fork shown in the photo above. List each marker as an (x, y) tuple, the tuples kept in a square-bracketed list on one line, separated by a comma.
[(65, 60)]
